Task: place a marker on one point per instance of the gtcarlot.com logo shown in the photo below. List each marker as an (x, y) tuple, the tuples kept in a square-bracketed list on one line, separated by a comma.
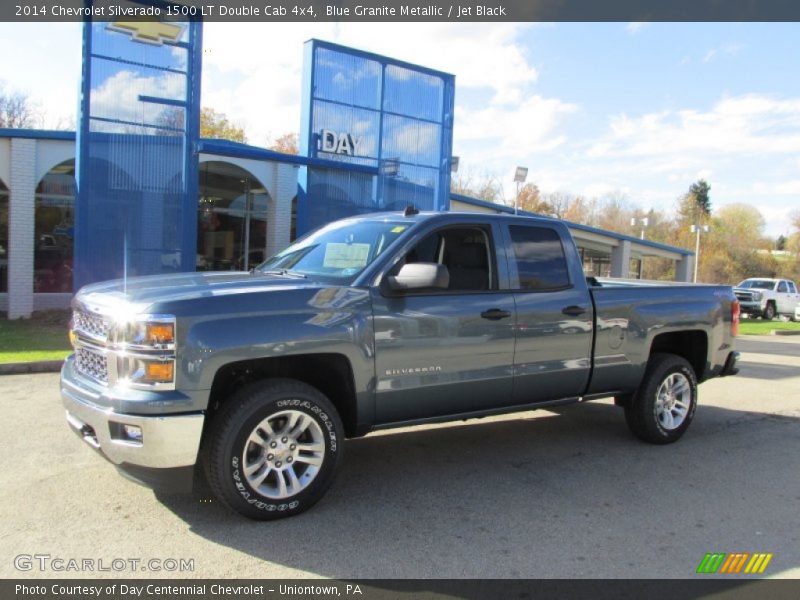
[(48, 562), (734, 563)]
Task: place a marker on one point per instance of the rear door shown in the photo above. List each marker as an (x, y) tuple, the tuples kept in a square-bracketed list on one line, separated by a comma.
[(552, 359), (448, 351), (795, 297), (784, 300)]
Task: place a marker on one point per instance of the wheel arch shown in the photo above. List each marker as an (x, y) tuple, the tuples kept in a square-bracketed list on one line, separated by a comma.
[(330, 373), (691, 345)]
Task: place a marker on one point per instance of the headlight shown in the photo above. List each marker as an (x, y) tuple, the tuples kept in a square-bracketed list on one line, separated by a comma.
[(145, 352), (147, 332)]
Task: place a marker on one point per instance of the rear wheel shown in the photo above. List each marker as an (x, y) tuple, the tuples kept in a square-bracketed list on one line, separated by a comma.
[(273, 449), (663, 406)]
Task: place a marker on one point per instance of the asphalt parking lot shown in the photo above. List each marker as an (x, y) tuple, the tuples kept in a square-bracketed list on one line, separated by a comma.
[(566, 493)]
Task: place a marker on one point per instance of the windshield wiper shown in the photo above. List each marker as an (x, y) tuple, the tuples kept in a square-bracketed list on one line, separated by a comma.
[(284, 273)]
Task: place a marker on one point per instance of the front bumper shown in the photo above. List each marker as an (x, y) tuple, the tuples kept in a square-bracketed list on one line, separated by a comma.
[(164, 458), (751, 308)]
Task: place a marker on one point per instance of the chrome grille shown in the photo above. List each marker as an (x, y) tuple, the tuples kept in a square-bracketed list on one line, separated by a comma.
[(745, 296), (90, 324), (92, 364)]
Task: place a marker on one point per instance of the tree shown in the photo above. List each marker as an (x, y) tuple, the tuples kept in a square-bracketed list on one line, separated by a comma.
[(531, 200), (16, 111), (287, 143), (485, 187), (214, 124), (696, 203), (736, 248)]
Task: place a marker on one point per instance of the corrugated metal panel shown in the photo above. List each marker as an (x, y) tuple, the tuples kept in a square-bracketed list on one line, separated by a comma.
[(137, 174)]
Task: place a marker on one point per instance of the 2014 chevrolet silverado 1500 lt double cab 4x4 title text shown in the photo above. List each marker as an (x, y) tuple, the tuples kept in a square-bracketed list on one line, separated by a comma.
[(367, 323)]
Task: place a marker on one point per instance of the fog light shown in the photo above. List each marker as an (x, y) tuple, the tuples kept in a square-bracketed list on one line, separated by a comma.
[(157, 372), (132, 433)]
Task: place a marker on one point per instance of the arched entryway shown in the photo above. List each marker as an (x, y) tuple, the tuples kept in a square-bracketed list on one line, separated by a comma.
[(231, 218), (54, 229)]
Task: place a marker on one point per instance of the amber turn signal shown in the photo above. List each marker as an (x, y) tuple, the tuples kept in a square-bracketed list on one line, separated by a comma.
[(158, 372), (160, 333)]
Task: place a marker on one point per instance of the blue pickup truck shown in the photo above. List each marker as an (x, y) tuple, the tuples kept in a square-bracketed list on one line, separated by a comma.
[(369, 323)]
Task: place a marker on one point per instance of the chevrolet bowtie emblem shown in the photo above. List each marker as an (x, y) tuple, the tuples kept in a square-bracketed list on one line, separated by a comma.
[(149, 32)]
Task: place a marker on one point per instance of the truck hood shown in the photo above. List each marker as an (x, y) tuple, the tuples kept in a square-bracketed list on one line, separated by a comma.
[(140, 292)]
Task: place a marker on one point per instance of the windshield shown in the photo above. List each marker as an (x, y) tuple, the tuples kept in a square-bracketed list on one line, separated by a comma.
[(337, 252), (759, 284)]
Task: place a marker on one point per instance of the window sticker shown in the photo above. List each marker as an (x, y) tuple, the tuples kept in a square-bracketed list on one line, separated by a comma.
[(346, 256), (400, 229)]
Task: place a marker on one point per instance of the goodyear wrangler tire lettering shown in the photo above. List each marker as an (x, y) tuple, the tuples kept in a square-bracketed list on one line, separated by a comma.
[(272, 449)]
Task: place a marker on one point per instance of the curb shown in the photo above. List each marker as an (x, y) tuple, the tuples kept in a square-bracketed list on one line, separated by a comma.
[(785, 332), (42, 366)]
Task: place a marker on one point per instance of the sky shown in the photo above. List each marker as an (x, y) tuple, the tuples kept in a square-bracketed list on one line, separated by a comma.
[(596, 109)]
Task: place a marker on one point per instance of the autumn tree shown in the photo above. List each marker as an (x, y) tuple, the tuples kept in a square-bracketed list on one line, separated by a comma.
[(287, 143), (215, 124), (735, 247), (16, 110), (530, 199), (695, 206)]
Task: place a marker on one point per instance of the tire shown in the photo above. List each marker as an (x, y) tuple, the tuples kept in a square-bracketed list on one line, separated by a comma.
[(273, 430), (646, 416), (769, 312)]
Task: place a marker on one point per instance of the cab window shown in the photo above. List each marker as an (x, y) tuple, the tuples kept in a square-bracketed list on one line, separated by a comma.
[(464, 251)]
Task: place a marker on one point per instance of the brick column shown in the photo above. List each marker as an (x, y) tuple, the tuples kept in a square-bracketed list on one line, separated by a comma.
[(279, 222), (21, 228)]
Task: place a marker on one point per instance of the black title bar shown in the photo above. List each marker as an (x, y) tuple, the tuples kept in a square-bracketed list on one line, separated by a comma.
[(403, 11)]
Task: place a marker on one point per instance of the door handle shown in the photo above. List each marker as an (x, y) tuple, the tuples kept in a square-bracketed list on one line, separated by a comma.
[(495, 314), (574, 310)]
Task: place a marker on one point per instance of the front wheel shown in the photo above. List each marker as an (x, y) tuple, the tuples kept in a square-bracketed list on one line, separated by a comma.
[(769, 312), (273, 449), (663, 406)]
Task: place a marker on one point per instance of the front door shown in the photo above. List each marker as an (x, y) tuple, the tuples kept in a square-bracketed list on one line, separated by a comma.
[(449, 351)]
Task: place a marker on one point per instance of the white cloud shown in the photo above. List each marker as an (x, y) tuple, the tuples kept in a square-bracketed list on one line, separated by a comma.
[(720, 51), (495, 137), (734, 126), (636, 26), (252, 72)]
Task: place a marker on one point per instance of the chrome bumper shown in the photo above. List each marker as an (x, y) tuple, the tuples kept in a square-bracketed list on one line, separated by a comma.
[(751, 307), (167, 441)]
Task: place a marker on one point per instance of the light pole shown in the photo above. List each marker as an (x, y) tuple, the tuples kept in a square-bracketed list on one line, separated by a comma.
[(698, 229), (645, 221), (520, 175)]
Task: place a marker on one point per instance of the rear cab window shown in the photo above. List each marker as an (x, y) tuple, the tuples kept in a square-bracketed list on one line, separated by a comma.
[(540, 259)]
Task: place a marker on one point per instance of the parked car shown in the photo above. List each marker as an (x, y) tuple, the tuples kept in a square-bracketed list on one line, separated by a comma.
[(370, 323), (767, 298)]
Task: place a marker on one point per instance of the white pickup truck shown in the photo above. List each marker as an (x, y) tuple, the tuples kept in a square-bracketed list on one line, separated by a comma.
[(767, 298)]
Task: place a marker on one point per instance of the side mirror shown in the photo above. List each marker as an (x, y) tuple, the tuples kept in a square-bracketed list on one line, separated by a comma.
[(419, 276)]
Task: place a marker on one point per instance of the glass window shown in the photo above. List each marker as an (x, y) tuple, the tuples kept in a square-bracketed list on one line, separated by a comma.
[(54, 230), (337, 252), (782, 287), (792, 288), (3, 238), (540, 258), (231, 219), (465, 253), (758, 284)]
